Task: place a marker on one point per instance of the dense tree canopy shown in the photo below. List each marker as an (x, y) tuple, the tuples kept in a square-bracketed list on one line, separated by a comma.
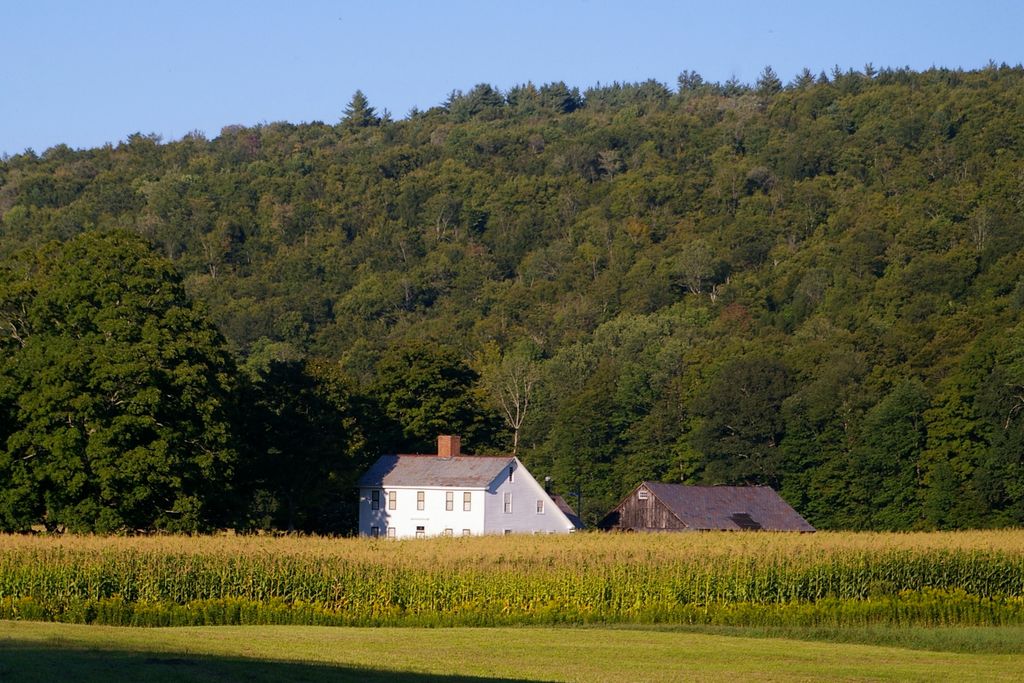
[(303, 443), (426, 390), (816, 284), (117, 393)]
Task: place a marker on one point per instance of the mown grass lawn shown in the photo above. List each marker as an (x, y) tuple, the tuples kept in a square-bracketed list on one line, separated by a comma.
[(32, 651)]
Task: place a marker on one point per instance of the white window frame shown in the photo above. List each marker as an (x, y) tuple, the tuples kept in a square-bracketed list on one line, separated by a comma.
[(540, 506), (421, 500), (375, 499), (392, 500), (375, 532), (467, 501), (449, 501), (508, 503)]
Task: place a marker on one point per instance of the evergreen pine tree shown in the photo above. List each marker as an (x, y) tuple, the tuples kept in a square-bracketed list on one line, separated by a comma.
[(359, 113)]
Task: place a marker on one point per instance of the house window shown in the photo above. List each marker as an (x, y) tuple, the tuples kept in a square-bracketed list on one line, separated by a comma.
[(540, 506), (392, 500), (467, 501), (391, 532), (642, 494), (421, 500), (421, 532), (467, 532), (508, 503), (375, 531), (375, 499), (511, 469), (448, 532), (508, 532), (449, 501)]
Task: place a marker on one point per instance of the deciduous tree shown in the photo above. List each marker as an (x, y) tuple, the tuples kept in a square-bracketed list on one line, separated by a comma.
[(117, 393), (427, 389)]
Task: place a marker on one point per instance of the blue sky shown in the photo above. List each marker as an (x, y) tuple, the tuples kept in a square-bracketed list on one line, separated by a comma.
[(88, 73)]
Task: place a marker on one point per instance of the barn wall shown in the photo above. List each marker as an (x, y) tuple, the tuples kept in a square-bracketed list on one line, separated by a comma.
[(645, 514)]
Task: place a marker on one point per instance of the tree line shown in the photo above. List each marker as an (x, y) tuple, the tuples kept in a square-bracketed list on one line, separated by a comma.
[(814, 285)]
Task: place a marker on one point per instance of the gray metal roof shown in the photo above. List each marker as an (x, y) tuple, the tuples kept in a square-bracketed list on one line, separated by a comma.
[(469, 471), (729, 507)]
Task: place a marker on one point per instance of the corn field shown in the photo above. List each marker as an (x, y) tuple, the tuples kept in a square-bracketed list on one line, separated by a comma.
[(968, 578)]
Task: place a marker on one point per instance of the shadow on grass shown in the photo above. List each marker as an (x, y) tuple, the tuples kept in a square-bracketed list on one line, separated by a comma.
[(991, 640), (47, 664)]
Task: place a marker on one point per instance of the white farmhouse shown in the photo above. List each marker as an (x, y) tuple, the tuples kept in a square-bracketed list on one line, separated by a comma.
[(449, 494)]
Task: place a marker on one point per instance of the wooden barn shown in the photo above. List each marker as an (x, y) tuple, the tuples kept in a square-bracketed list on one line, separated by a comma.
[(653, 506)]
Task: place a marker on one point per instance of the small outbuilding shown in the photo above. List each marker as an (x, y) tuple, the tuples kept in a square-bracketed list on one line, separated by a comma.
[(653, 506)]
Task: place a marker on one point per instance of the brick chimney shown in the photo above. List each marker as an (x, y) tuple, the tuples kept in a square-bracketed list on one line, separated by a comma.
[(448, 446)]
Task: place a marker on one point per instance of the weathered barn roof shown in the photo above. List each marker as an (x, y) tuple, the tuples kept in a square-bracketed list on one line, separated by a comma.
[(567, 510), (469, 471), (730, 508)]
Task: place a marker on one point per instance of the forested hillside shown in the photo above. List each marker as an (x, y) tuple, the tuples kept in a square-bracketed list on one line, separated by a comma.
[(816, 285)]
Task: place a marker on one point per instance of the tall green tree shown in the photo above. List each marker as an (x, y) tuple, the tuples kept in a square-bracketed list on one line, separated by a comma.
[(583, 444), (117, 393), (743, 422), (768, 82), (887, 474), (359, 113), (304, 443), (427, 389), (999, 477)]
